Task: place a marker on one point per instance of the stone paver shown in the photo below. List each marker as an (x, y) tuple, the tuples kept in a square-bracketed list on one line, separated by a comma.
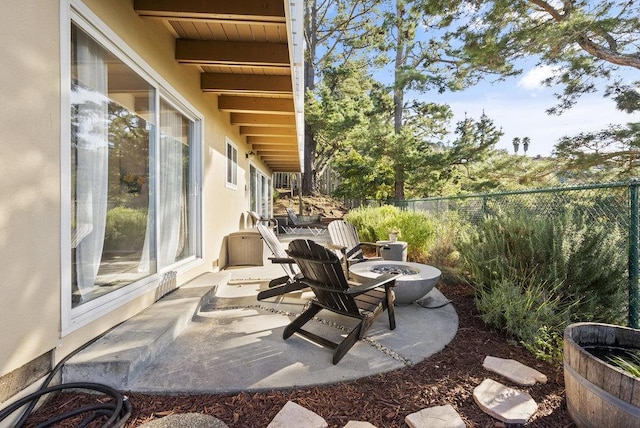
[(435, 417), (186, 420), (503, 403), (359, 424), (514, 370), (293, 415)]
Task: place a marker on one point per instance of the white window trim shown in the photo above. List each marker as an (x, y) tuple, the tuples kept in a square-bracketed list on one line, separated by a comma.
[(72, 319), (260, 173), (234, 147)]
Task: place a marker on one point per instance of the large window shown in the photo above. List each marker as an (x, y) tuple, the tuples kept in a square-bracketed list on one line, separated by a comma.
[(132, 174), (260, 193)]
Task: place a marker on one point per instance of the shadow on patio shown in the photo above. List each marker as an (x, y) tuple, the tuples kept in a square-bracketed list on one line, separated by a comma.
[(213, 336)]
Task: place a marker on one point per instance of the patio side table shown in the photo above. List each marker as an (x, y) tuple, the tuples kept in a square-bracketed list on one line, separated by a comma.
[(393, 250)]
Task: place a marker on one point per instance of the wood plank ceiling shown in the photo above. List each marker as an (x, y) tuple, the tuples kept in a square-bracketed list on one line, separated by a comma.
[(242, 51)]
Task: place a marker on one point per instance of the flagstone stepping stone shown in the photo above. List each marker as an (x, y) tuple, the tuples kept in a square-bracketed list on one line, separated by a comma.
[(503, 403), (359, 424), (514, 370), (435, 417), (186, 420), (293, 415)]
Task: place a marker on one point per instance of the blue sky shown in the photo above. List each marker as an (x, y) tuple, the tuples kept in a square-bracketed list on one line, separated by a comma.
[(518, 106)]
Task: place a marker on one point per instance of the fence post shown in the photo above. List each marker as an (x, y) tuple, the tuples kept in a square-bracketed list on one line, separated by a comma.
[(634, 236)]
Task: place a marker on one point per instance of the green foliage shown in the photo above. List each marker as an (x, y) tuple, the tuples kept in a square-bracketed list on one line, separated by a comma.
[(629, 362), (458, 167), (546, 344), (583, 42), (528, 310), (125, 229), (560, 268), (374, 224), (606, 155), (443, 251), (362, 176)]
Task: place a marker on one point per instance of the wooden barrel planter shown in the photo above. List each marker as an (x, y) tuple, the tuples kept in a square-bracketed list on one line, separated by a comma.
[(599, 394)]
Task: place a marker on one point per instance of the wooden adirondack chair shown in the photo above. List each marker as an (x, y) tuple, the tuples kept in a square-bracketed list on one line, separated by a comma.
[(322, 271), (344, 237), (285, 284), (257, 219), (296, 224)]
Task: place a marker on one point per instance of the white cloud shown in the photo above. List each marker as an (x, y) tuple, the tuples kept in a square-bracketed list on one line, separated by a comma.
[(532, 79)]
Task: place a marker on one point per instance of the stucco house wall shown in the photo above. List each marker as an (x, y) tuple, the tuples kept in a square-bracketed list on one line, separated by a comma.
[(31, 90)]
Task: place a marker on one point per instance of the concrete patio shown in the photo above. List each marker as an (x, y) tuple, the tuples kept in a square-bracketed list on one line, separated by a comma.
[(213, 336)]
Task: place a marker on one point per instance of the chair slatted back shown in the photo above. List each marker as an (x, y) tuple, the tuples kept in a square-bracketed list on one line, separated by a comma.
[(293, 217), (276, 249), (322, 272), (345, 235)]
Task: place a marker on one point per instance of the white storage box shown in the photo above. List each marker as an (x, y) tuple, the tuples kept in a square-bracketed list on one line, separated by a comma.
[(244, 248)]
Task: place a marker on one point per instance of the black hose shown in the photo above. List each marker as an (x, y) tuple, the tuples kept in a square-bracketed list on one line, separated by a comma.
[(118, 411)]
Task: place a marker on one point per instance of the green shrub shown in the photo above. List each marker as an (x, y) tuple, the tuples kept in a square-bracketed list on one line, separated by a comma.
[(443, 251), (530, 311), (125, 229), (374, 224), (573, 269)]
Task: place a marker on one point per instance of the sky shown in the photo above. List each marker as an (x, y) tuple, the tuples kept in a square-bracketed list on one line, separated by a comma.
[(518, 106)]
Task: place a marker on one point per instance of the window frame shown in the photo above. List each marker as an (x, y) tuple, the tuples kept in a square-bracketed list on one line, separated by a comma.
[(76, 12), (261, 192), (231, 170)]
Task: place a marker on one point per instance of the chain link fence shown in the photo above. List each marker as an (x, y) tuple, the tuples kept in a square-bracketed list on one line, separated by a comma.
[(608, 204)]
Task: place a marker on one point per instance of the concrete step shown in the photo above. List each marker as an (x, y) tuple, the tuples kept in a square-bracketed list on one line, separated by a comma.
[(119, 355)]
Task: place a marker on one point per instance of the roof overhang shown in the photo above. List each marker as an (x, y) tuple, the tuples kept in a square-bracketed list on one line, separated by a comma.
[(250, 55)]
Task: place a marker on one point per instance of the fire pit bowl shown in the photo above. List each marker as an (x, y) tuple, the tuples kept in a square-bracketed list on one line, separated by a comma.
[(416, 282)]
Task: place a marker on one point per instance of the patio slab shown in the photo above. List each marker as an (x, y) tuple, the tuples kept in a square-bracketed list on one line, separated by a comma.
[(234, 342)]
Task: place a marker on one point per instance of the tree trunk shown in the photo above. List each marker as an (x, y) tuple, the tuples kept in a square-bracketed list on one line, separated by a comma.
[(309, 175), (311, 32), (398, 102)]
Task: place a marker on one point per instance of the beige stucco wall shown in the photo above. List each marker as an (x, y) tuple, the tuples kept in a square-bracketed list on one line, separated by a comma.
[(30, 254), (30, 183)]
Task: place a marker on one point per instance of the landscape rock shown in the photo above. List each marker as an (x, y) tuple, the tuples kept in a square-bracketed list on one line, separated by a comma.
[(514, 370), (435, 417), (293, 415), (503, 403), (359, 424), (186, 420)]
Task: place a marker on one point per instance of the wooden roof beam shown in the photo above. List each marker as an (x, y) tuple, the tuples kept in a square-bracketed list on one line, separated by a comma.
[(277, 151), (206, 52), (252, 119), (265, 131), (281, 106), (243, 10), (275, 158), (246, 84), (274, 147), (272, 140)]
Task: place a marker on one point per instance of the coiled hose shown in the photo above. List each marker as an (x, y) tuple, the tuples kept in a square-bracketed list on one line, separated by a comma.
[(117, 411)]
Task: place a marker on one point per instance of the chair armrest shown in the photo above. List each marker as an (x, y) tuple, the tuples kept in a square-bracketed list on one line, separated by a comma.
[(282, 260), (372, 244), (374, 283), (336, 247)]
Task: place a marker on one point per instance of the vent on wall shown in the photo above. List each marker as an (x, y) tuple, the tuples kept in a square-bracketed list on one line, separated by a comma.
[(168, 283)]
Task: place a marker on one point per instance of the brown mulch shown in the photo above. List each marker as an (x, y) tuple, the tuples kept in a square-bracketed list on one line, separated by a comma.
[(447, 377)]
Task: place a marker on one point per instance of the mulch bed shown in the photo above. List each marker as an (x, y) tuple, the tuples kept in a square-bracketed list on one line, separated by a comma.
[(448, 377)]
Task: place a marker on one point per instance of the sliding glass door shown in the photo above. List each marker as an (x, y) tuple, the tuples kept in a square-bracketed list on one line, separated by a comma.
[(132, 174)]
